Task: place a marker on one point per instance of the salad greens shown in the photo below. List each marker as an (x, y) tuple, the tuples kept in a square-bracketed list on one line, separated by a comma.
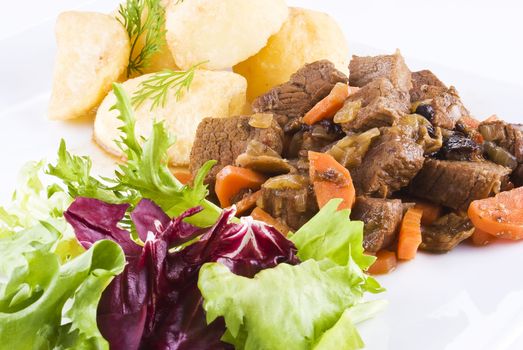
[(302, 306), (140, 260)]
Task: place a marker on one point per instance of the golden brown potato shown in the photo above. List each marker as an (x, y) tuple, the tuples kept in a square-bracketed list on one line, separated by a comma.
[(221, 32), (93, 51), (306, 36), (211, 94)]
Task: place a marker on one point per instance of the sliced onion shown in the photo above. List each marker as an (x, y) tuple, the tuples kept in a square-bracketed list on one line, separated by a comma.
[(261, 120), (348, 112), (350, 150), (289, 181), (499, 155)]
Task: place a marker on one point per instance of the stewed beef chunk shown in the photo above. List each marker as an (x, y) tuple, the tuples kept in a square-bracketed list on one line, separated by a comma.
[(389, 165), (379, 104), (446, 105), (305, 88), (421, 79), (224, 139), (363, 70), (289, 198), (455, 184), (382, 218), (446, 233)]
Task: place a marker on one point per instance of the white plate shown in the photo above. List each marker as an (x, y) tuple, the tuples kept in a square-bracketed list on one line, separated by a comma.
[(471, 298)]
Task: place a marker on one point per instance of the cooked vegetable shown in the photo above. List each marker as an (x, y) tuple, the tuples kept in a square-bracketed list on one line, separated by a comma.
[(426, 111), (470, 122), (144, 21), (446, 233), (458, 146), (318, 295), (481, 238), (261, 215), (183, 176), (181, 115), (410, 234), (287, 181), (385, 262), (331, 180), (501, 216), (156, 297), (261, 120), (348, 112), (199, 30), (306, 36), (431, 211), (231, 180), (350, 150), (261, 158), (491, 130), (499, 155), (327, 107), (93, 52), (247, 203)]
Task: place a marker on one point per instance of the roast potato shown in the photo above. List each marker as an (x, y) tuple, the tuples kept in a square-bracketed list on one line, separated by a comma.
[(221, 32), (211, 94), (305, 37), (93, 52)]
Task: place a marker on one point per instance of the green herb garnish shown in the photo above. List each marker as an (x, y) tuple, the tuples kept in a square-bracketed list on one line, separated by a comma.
[(144, 21), (156, 88)]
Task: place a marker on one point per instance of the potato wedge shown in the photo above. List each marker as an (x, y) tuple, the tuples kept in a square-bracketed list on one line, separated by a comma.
[(211, 94), (93, 52), (221, 32), (306, 36)]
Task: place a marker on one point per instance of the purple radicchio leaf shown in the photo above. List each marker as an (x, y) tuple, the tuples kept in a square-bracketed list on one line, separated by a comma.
[(167, 312)]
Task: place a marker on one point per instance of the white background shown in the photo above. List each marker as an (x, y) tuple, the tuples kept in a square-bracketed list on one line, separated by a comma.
[(468, 299)]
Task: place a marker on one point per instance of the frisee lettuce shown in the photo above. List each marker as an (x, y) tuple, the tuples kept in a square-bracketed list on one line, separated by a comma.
[(145, 173)]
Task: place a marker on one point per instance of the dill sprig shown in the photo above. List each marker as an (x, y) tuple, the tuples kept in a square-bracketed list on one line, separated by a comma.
[(148, 29), (157, 87)]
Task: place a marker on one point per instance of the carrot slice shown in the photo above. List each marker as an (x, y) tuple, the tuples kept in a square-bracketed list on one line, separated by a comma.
[(481, 238), (385, 262), (501, 216), (470, 122), (410, 234), (492, 118), (431, 211), (331, 180), (261, 215), (184, 177), (327, 107), (231, 180), (247, 203)]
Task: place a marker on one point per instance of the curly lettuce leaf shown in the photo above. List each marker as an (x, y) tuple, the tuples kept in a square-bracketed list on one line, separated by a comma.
[(49, 305), (144, 175)]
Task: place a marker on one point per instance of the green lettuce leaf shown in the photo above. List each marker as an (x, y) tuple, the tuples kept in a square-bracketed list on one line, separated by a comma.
[(49, 305), (331, 234), (286, 307)]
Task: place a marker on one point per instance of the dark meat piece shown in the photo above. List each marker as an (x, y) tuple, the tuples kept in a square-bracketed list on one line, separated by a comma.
[(224, 139), (421, 79), (296, 97), (455, 184), (508, 136), (289, 198), (446, 233), (381, 105), (446, 104), (363, 70), (382, 218), (390, 164), (457, 146)]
